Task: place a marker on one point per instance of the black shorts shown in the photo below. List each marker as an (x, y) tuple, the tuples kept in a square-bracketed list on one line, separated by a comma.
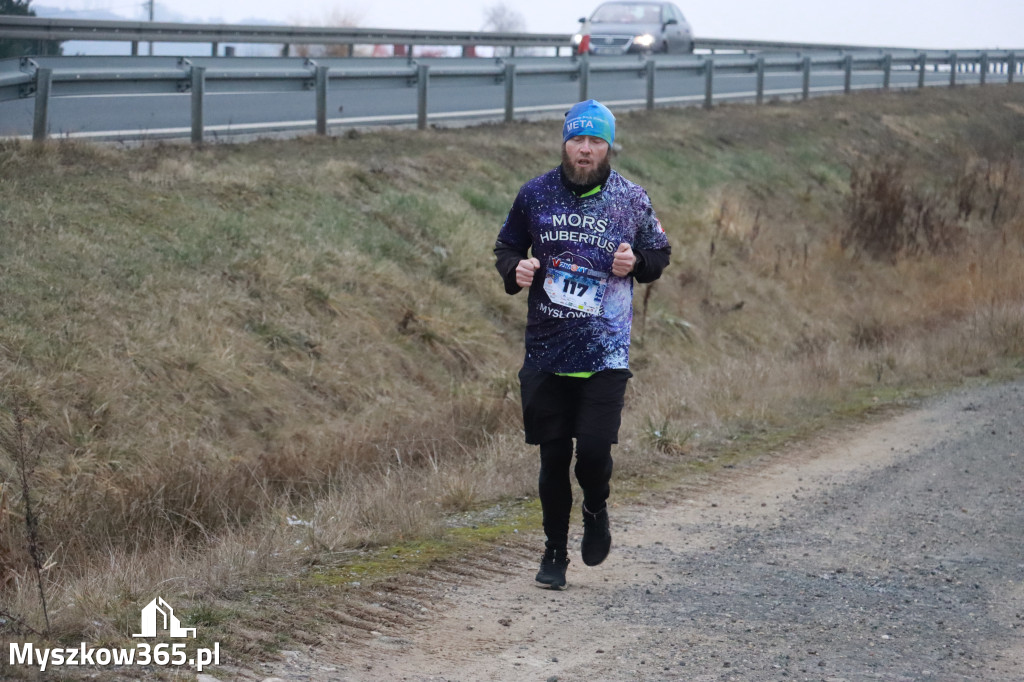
[(566, 407)]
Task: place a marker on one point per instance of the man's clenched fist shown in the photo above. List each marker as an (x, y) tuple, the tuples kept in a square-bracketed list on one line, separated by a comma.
[(525, 270)]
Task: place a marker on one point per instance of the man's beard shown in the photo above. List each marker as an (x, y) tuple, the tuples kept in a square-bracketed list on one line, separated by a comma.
[(586, 177)]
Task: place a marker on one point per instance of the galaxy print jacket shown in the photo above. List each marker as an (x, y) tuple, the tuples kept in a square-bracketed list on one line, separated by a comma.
[(579, 313)]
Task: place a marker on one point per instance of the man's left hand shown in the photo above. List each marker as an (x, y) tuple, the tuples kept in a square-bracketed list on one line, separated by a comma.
[(624, 261)]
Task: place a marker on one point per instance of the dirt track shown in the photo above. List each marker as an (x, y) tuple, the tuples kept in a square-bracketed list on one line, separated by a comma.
[(892, 552)]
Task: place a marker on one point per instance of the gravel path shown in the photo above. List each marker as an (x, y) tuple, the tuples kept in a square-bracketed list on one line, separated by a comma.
[(891, 552)]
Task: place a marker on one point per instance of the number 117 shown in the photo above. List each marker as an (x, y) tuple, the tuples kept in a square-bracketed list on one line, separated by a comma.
[(574, 287)]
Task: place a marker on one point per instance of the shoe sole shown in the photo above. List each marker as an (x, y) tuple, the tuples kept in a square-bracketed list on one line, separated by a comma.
[(597, 559), (548, 586)]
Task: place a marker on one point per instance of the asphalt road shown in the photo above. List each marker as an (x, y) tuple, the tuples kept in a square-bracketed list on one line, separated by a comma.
[(893, 551)]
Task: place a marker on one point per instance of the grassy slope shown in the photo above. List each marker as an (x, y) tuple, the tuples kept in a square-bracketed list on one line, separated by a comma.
[(201, 343)]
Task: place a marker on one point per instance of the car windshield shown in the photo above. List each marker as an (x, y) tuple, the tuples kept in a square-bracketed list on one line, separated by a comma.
[(627, 13)]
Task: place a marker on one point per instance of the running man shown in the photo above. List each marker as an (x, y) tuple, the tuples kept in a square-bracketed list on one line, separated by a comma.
[(577, 237)]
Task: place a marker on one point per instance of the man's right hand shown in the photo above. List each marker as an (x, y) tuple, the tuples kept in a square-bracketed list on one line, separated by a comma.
[(525, 270)]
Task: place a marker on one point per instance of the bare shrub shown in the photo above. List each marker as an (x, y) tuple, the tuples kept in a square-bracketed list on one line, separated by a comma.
[(966, 186), (876, 209), (990, 188), (22, 443), (501, 18), (888, 218), (872, 333)]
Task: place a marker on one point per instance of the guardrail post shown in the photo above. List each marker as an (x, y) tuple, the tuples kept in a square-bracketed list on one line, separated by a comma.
[(886, 71), (41, 120), (984, 67), (1011, 67), (847, 74), (321, 99), (922, 67), (807, 78), (422, 86), (198, 89), (760, 80), (510, 91), (584, 75), (952, 69), (651, 71), (135, 48), (709, 83)]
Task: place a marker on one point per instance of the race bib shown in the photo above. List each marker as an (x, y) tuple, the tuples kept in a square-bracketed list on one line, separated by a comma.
[(575, 286)]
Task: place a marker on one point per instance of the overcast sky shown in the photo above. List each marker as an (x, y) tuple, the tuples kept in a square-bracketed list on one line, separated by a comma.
[(898, 23)]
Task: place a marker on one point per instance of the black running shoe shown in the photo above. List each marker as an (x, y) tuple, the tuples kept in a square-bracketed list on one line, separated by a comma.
[(597, 539), (552, 568)]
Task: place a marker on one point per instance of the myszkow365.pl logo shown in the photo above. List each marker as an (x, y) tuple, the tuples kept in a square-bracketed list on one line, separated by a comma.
[(156, 616)]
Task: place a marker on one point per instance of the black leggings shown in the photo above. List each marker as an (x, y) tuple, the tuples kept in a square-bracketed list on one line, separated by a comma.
[(593, 472)]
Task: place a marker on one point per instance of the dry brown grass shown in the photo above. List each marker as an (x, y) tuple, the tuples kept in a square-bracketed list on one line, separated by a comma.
[(246, 361)]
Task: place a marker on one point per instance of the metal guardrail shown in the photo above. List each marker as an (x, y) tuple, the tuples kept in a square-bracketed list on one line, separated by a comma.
[(46, 77), (135, 32)]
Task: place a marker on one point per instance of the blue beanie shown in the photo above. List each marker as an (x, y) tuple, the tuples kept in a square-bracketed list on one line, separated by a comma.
[(589, 118)]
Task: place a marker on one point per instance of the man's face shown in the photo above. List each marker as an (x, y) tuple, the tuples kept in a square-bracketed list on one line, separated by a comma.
[(585, 159)]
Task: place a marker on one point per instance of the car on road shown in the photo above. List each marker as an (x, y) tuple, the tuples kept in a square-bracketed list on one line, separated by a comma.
[(634, 27)]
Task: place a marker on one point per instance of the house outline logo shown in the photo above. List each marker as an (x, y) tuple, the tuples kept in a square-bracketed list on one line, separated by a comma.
[(159, 612)]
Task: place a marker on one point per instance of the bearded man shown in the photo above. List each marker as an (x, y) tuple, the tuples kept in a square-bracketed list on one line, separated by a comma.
[(577, 237)]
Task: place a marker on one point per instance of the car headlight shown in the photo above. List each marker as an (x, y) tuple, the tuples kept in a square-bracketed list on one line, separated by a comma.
[(646, 40), (577, 39)]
